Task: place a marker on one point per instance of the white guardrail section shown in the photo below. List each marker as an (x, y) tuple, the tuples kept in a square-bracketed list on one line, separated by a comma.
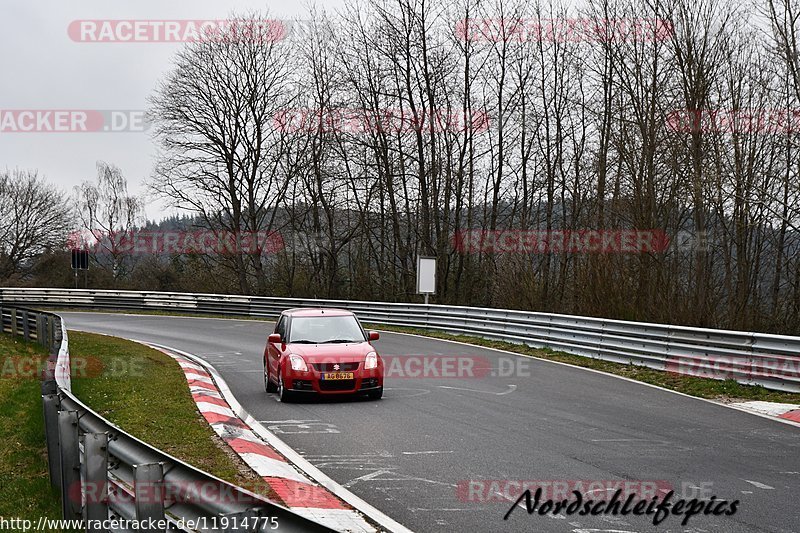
[(750, 358), (111, 479)]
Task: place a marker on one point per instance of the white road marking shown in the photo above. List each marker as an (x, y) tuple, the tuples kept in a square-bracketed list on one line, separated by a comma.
[(619, 440), (511, 388), (364, 455), (417, 509), (759, 485), (303, 426), (427, 452), (373, 476), (366, 477), (419, 392), (607, 489), (602, 531), (351, 462), (288, 421)]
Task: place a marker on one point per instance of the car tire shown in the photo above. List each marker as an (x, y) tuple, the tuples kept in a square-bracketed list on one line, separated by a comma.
[(376, 394), (269, 386), (284, 395)]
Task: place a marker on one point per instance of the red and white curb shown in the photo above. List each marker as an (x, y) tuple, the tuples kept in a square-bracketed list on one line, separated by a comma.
[(300, 486), (784, 411)]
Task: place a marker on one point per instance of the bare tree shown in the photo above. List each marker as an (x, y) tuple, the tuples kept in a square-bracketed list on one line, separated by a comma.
[(34, 218), (110, 214), (220, 150)]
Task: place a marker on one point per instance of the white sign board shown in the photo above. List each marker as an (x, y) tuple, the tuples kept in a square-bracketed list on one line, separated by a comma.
[(426, 275)]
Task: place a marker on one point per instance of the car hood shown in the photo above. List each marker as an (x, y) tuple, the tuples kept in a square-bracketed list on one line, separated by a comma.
[(332, 353)]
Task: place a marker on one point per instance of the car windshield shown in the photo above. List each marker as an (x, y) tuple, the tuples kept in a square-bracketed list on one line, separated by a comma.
[(325, 329)]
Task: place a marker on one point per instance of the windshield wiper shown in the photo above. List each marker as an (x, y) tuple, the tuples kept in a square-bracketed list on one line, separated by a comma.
[(340, 341), (303, 341)]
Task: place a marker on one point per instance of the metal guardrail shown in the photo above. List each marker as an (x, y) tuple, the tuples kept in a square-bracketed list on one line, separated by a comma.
[(772, 361), (110, 479)]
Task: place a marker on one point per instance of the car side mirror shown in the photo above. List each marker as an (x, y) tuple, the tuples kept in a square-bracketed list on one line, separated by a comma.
[(374, 335), (274, 338)]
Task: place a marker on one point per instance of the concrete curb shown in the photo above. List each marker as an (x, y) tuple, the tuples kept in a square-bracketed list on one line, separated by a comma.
[(784, 411)]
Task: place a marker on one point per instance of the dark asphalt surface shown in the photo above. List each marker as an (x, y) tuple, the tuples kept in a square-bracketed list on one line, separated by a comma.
[(408, 453)]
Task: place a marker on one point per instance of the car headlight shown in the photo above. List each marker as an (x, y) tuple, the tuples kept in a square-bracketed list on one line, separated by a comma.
[(371, 361), (297, 363)]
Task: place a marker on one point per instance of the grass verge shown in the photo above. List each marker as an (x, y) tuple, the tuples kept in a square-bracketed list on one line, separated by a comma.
[(713, 389), (144, 392), (25, 490)]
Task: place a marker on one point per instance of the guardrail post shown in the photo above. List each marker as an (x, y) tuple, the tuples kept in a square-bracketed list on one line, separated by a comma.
[(40, 329), (51, 404), (55, 332), (14, 322), (148, 490), (95, 453), (48, 376), (26, 327), (45, 331), (70, 464)]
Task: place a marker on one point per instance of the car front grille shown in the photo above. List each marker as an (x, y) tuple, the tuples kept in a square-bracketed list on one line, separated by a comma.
[(343, 367), (337, 384)]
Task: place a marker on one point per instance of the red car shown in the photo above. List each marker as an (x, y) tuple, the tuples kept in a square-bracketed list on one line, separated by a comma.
[(323, 351)]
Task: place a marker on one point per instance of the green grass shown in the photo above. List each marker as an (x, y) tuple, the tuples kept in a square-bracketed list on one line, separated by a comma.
[(726, 391), (141, 390), (144, 392), (25, 490)]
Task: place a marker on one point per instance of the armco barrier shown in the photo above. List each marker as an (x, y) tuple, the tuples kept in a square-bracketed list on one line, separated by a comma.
[(103, 473), (750, 358)]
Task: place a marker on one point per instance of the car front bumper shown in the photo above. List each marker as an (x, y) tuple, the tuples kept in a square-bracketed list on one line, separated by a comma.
[(311, 381)]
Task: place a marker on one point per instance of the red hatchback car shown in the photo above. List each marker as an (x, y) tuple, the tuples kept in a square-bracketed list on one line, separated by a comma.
[(323, 351)]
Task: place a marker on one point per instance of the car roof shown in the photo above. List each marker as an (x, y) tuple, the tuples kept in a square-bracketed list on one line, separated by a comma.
[(317, 311)]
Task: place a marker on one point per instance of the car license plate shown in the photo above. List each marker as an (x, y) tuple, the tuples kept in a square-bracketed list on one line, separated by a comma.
[(337, 375)]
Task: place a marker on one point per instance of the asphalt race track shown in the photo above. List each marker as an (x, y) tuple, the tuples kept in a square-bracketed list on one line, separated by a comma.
[(408, 453)]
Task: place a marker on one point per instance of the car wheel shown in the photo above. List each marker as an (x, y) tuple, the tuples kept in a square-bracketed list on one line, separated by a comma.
[(283, 394), (269, 386), (376, 394)]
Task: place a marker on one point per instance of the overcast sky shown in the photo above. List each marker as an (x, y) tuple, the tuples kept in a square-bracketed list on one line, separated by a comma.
[(43, 68)]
